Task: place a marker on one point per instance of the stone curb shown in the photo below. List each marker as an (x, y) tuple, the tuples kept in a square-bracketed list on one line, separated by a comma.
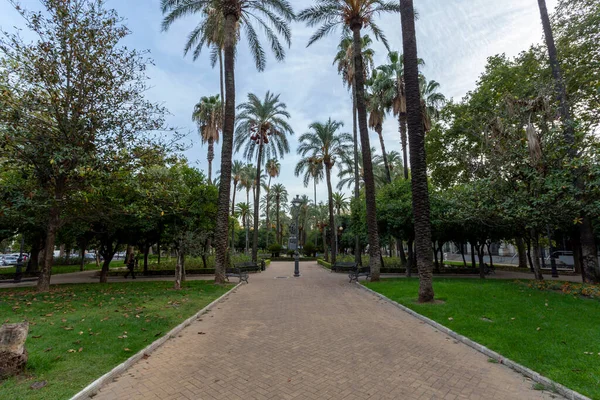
[(550, 384), (93, 388)]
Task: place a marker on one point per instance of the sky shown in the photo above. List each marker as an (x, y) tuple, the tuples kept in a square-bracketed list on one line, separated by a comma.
[(455, 38)]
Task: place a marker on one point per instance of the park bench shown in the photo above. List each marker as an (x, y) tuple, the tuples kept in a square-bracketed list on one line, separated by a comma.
[(358, 272), (343, 267), (250, 266), (236, 272)]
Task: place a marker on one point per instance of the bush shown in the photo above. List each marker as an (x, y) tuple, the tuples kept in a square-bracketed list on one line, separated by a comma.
[(275, 249), (309, 250)]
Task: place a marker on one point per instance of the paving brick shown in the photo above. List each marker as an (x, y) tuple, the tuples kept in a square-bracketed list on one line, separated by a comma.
[(314, 337)]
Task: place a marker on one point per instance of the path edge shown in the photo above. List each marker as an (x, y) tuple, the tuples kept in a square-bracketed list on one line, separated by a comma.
[(93, 388), (536, 377)]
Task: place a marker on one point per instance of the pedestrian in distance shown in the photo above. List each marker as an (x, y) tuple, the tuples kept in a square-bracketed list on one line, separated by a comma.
[(130, 266)]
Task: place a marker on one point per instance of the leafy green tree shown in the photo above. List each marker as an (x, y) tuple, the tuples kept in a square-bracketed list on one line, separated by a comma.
[(62, 115), (262, 130), (354, 15), (274, 17)]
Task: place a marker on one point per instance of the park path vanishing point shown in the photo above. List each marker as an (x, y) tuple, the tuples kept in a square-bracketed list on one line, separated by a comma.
[(314, 337)]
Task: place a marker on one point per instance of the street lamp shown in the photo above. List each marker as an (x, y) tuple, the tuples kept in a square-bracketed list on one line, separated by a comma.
[(296, 203), (339, 237)]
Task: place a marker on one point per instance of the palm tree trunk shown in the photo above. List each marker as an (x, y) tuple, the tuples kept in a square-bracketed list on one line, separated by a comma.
[(420, 193), (232, 214), (210, 157), (357, 257), (277, 233), (379, 130), (222, 224), (374, 249), (221, 81), (256, 204), (332, 229), (403, 141), (268, 209)]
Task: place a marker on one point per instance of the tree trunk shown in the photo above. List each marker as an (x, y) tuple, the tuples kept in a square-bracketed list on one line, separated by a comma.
[(277, 233), (435, 258), (325, 249), (231, 15), (268, 209), (357, 257), (473, 263), (441, 254), (221, 83), (146, 253), (67, 254), (388, 175), (403, 141), (589, 252), (522, 252), (561, 92), (462, 253), (107, 250), (576, 245), (488, 245), (178, 269), (43, 284), (411, 258), (82, 261), (210, 157), (332, 229), (374, 249), (400, 246), (529, 255), (232, 214), (551, 250), (535, 257), (481, 261), (257, 202), (61, 250), (418, 165)]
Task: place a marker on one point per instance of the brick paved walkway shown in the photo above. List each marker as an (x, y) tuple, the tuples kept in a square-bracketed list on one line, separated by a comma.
[(314, 337)]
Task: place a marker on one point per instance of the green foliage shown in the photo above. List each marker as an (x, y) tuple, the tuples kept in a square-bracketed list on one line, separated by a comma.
[(309, 250), (75, 326), (275, 249)]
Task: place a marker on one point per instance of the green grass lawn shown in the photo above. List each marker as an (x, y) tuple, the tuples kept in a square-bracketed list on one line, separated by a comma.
[(65, 269), (79, 332), (549, 332)]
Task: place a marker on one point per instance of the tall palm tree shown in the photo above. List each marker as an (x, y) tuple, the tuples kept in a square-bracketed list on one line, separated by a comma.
[(274, 16), (431, 101), (262, 130), (345, 62), (208, 115), (585, 234), (418, 165), (273, 168), (311, 168), (378, 104), (243, 211), (325, 145), (354, 15), (346, 171), (279, 194), (393, 80), (237, 169), (340, 203)]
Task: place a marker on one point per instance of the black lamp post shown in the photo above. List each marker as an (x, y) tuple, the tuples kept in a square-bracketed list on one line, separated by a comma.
[(339, 237), (296, 203)]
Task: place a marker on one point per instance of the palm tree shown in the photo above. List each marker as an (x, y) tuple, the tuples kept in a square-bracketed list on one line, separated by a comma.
[(324, 145), (262, 131), (432, 101), (273, 168), (418, 165), (312, 169), (243, 210), (378, 104), (354, 15), (279, 195), (208, 114), (345, 62), (274, 16), (346, 171), (237, 169), (322, 218), (340, 203)]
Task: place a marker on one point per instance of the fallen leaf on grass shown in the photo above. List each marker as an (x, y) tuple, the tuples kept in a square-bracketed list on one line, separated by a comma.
[(48, 349), (158, 334), (72, 351), (126, 349), (450, 319), (538, 328), (80, 349), (37, 336)]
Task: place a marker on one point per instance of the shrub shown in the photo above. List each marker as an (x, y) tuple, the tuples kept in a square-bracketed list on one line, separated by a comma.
[(275, 249), (309, 250)]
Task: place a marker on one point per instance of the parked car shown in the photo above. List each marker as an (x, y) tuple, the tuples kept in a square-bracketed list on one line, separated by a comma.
[(10, 259)]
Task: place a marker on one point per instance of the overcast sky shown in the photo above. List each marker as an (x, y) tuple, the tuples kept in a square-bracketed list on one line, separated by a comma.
[(455, 37)]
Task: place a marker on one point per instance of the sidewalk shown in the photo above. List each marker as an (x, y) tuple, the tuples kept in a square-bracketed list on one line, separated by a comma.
[(314, 337)]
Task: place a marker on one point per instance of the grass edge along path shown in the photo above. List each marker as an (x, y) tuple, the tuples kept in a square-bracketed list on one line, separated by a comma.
[(553, 334), (80, 332)]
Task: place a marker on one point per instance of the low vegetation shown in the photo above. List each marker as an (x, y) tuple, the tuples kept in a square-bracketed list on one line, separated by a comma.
[(538, 329), (75, 326)]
